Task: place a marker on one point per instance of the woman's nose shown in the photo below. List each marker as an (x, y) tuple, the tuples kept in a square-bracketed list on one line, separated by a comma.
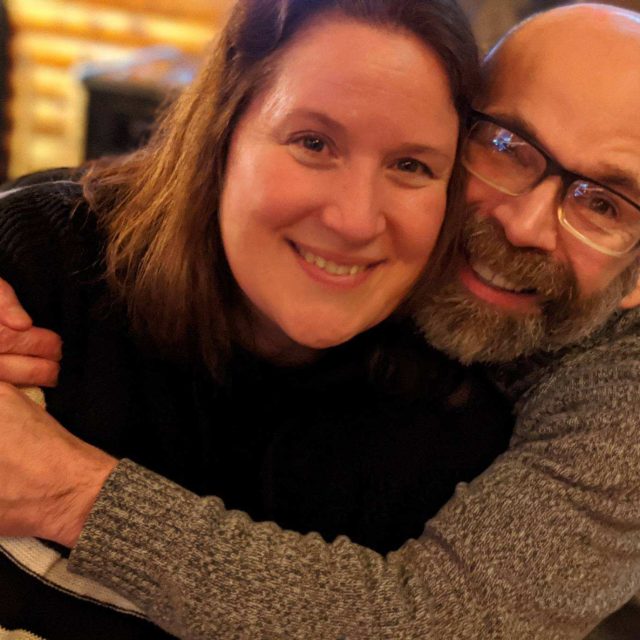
[(354, 210)]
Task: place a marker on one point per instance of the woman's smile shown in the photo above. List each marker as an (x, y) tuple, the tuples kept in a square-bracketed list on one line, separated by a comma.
[(332, 268)]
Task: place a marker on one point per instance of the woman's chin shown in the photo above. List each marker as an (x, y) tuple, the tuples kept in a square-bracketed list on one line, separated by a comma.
[(324, 337)]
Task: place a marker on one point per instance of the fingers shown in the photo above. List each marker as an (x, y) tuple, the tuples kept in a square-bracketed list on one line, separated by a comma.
[(11, 312), (27, 370), (35, 341)]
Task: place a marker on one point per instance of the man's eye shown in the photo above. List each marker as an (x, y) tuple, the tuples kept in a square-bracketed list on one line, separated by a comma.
[(603, 207), (503, 142), (517, 151), (595, 202), (509, 147), (411, 165)]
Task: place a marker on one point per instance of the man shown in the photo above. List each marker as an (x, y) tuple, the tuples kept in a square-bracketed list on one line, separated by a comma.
[(550, 541)]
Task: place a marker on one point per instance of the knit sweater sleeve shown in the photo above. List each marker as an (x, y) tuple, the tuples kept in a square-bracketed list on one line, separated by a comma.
[(543, 545)]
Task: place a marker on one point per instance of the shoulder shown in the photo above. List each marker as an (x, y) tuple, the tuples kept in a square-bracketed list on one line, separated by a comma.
[(586, 396), (605, 367), (48, 237), (613, 350), (47, 176), (43, 195), (41, 211)]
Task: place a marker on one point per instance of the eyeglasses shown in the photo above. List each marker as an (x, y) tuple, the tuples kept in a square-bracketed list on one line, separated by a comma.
[(602, 218)]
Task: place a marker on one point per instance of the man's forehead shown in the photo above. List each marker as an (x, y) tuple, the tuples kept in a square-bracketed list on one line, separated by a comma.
[(579, 43)]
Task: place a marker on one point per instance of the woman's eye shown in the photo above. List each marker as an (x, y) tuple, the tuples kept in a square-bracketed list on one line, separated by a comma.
[(310, 142), (413, 171), (411, 165), (313, 143), (312, 149)]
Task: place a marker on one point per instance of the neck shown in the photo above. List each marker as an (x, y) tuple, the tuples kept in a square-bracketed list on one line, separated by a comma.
[(264, 338)]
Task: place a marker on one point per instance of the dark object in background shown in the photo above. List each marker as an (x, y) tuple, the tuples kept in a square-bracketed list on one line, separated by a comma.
[(5, 36), (125, 97)]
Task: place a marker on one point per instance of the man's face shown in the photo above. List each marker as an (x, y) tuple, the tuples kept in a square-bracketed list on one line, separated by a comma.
[(523, 282)]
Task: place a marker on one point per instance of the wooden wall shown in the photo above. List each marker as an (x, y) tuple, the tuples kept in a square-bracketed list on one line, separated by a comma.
[(53, 38)]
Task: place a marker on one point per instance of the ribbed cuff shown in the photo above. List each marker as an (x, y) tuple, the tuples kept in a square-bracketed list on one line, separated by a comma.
[(132, 529)]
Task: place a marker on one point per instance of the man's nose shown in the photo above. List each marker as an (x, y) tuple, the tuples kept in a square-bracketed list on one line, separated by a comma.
[(531, 220), (355, 211)]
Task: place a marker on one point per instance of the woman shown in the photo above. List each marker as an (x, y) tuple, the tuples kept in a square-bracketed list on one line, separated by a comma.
[(210, 288)]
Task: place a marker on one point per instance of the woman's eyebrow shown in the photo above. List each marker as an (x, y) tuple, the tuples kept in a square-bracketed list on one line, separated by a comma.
[(321, 117), (417, 149)]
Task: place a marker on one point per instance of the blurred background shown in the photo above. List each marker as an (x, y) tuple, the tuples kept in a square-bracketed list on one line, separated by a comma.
[(81, 78)]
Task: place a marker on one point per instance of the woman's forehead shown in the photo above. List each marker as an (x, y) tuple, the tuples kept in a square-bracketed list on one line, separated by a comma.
[(319, 71)]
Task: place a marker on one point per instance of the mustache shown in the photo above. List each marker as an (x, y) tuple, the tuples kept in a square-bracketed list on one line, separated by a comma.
[(484, 240)]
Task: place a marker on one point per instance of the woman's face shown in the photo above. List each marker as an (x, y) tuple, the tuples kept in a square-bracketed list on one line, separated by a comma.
[(336, 183)]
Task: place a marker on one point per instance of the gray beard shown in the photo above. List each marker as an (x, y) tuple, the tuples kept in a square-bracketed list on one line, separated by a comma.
[(471, 330)]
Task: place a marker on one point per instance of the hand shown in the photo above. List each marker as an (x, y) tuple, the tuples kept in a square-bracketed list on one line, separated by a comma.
[(28, 355), (49, 479)]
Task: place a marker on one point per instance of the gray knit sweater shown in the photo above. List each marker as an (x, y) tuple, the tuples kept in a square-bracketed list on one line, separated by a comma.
[(543, 545)]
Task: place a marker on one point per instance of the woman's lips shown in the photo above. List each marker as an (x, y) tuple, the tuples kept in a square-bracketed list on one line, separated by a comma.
[(332, 267)]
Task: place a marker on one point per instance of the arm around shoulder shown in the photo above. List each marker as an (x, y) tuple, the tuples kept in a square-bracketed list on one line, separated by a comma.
[(544, 544)]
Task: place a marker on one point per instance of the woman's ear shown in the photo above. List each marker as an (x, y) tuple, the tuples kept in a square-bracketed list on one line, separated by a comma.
[(632, 299)]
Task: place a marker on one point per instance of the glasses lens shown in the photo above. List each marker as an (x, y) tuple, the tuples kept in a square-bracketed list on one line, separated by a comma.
[(502, 159), (607, 220)]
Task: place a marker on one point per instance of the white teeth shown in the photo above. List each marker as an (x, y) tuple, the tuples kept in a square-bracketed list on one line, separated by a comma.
[(329, 266), (483, 271), (495, 279)]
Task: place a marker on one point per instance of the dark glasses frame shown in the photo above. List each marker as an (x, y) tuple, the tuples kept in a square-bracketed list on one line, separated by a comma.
[(553, 168)]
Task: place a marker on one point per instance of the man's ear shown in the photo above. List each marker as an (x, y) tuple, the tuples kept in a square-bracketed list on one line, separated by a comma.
[(632, 299)]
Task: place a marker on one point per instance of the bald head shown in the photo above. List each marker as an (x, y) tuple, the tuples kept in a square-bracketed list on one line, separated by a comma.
[(594, 46), (572, 22)]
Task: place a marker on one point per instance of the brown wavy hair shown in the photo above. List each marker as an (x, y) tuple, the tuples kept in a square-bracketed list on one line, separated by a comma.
[(159, 205)]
